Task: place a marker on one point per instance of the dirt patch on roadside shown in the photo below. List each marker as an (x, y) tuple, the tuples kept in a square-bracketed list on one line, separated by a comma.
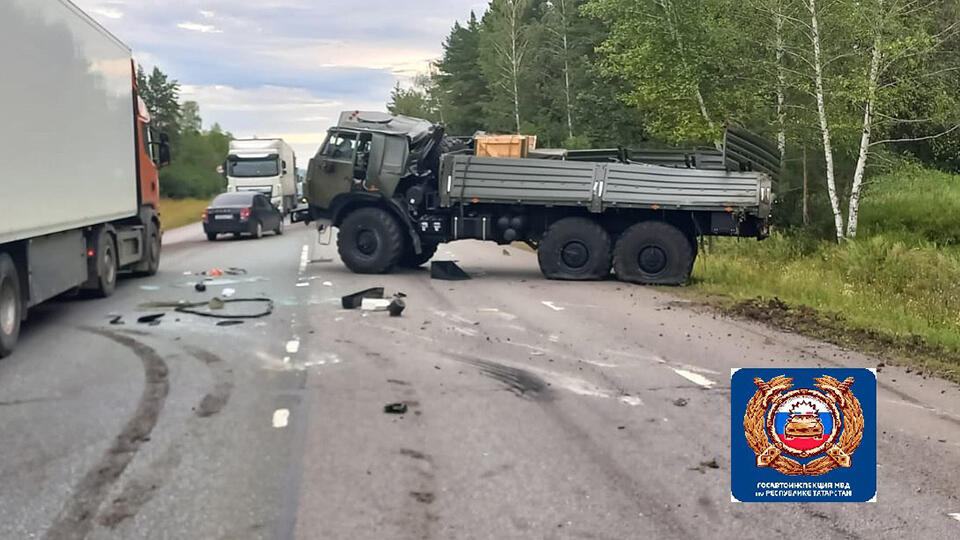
[(911, 352)]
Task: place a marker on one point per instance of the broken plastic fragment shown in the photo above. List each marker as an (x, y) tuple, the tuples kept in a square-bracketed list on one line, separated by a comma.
[(395, 408), (355, 300), (375, 304), (396, 307), (227, 293), (150, 319), (447, 271)]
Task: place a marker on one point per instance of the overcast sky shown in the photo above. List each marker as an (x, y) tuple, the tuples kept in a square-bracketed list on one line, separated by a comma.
[(283, 68)]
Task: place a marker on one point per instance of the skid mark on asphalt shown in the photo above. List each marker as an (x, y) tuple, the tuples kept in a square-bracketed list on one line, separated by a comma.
[(75, 520), (138, 492), (215, 400)]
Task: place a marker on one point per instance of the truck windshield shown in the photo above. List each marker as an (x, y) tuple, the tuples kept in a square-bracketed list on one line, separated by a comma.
[(253, 168)]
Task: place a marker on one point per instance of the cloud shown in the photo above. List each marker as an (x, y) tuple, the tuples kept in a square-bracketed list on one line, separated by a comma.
[(202, 28), (108, 12), (207, 14)]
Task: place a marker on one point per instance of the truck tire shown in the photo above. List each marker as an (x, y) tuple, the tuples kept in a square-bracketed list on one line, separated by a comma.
[(654, 253), (11, 305), (152, 253), (575, 249), (105, 282), (212, 236), (370, 241), (412, 260)]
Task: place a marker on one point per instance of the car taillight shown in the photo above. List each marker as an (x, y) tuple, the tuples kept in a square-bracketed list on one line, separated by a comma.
[(206, 215), (244, 213)]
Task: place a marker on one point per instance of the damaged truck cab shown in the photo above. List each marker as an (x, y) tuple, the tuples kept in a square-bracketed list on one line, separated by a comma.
[(397, 187)]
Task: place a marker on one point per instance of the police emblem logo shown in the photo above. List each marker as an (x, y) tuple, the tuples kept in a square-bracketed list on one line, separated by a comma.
[(803, 423)]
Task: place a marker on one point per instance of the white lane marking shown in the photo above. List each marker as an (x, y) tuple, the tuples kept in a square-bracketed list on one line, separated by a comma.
[(304, 258), (552, 306), (698, 369), (633, 401), (554, 339), (695, 378), (303, 284), (489, 310), (281, 417), (293, 346), (286, 359), (955, 516), (327, 284)]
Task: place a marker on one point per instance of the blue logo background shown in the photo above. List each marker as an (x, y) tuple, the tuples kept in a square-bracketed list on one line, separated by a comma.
[(862, 474)]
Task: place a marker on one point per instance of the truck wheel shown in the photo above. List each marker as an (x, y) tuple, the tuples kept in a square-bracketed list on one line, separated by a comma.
[(654, 253), (279, 230), (575, 249), (106, 278), (212, 236), (370, 241), (11, 305), (154, 247), (412, 260)]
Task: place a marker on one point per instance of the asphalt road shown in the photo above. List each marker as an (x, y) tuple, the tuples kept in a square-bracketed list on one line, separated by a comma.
[(537, 409)]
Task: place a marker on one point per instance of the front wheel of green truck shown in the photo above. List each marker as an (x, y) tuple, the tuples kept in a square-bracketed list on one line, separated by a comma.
[(410, 259), (575, 249), (654, 253), (370, 241)]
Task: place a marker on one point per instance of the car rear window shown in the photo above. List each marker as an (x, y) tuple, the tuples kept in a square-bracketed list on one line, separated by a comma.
[(233, 199)]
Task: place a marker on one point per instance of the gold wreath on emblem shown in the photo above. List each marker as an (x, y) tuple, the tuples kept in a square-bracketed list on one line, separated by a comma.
[(770, 455)]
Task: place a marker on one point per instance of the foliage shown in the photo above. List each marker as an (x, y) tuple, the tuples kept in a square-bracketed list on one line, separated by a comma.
[(179, 212)]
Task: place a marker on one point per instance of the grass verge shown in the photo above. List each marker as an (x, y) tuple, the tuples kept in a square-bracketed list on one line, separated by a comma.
[(893, 293), (179, 212)]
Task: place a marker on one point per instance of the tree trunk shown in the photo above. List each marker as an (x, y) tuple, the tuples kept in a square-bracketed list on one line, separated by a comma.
[(824, 124), (781, 91), (515, 61), (861, 168), (806, 215), (566, 67)]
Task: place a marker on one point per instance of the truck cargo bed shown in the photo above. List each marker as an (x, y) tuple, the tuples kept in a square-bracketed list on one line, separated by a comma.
[(598, 186)]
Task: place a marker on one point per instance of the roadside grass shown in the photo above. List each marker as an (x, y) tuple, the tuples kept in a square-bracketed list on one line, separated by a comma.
[(894, 291), (179, 212)]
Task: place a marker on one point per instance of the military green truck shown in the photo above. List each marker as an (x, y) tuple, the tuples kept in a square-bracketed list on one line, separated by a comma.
[(397, 187)]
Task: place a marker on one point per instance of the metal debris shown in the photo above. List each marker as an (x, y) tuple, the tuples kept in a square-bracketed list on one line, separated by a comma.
[(117, 320), (151, 319), (680, 402), (200, 287), (397, 306), (229, 323), (395, 408), (355, 300), (447, 271)]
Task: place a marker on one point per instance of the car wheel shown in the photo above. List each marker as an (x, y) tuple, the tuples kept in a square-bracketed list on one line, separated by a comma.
[(212, 236), (11, 305), (654, 253), (370, 241), (258, 231), (575, 249), (279, 230)]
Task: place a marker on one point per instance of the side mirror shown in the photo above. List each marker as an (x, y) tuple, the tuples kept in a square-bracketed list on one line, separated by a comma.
[(300, 216)]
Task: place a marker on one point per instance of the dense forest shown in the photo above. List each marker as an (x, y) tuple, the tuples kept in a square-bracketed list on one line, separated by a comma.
[(196, 152), (849, 89)]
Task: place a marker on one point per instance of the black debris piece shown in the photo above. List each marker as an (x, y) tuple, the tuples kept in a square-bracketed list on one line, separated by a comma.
[(395, 408), (118, 320), (229, 323), (680, 402), (712, 464), (150, 319), (353, 301), (506, 253), (396, 307), (447, 271), (194, 309), (200, 287)]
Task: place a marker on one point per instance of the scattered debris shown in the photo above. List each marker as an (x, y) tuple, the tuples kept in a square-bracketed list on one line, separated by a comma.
[(194, 309), (680, 402), (217, 272), (395, 408), (303, 284), (447, 271), (229, 323), (355, 300), (151, 319), (712, 464), (375, 304), (397, 306), (228, 293), (117, 320), (216, 303), (506, 253), (200, 287)]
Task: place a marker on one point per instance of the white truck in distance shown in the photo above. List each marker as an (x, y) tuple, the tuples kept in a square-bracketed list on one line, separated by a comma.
[(265, 165)]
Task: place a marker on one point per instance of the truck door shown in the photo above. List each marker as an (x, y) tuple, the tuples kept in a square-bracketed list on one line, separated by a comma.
[(331, 171)]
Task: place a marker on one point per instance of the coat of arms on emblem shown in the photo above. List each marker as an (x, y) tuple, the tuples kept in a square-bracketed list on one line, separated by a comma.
[(781, 424)]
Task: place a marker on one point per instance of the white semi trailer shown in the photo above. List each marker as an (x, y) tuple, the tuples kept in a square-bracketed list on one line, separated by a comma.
[(79, 189), (265, 165)]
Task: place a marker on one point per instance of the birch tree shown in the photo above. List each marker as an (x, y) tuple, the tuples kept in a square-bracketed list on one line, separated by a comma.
[(558, 25), (507, 37)]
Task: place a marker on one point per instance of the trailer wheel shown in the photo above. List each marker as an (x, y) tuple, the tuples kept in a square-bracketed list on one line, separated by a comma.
[(654, 253), (412, 260), (370, 241), (11, 305), (575, 249), (106, 279)]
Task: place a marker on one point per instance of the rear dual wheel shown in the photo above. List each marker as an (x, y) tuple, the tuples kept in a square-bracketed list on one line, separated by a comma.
[(654, 253), (575, 249)]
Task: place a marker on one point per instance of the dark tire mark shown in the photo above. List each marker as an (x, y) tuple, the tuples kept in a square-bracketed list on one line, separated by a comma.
[(216, 399), (520, 382), (138, 492), (424, 497), (76, 518)]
